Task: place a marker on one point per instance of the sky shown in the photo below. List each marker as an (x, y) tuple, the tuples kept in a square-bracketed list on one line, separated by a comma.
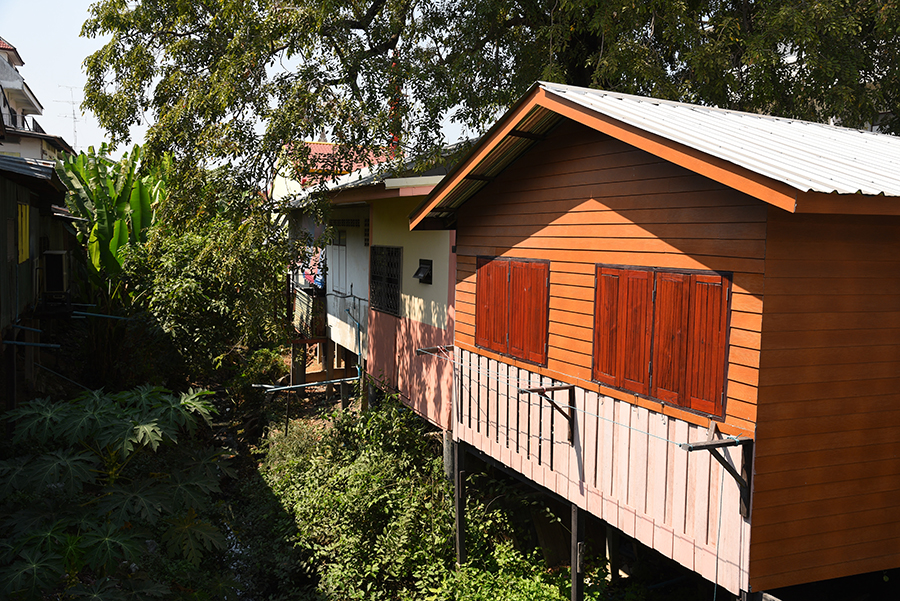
[(46, 35)]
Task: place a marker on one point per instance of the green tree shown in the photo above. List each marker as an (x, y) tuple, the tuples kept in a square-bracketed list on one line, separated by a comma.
[(212, 273), (237, 80)]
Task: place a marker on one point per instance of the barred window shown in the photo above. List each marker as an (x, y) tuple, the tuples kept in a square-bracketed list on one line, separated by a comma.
[(386, 270)]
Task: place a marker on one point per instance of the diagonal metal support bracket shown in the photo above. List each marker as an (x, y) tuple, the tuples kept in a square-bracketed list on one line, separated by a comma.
[(431, 350), (568, 414), (742, 478)]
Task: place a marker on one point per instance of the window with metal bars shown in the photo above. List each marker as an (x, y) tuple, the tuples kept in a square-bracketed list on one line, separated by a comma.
[(663, 334), (385, 273)]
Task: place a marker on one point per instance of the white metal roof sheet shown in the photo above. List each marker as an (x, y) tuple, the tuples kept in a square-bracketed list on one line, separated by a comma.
[(807, 156)]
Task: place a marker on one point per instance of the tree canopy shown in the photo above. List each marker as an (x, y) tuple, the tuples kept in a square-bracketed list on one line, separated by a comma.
[(234, 81)]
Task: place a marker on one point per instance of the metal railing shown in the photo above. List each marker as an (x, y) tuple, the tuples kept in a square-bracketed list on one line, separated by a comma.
[(21, 122)]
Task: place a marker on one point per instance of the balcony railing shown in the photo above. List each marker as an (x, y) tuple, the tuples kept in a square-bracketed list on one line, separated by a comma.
[(21, 122)]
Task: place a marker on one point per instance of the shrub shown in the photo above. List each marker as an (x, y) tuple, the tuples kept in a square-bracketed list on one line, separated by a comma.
[(108, 496)]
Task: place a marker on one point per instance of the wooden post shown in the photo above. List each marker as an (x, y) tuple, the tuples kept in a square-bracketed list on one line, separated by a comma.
[(329, 368), (577, 554), (612, 552), (298, 363), (345, 395), (459, 499)]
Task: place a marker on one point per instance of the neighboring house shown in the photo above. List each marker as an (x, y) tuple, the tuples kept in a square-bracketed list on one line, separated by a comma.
[(708, 286), (385, 291), (18, 105), (34, 261)]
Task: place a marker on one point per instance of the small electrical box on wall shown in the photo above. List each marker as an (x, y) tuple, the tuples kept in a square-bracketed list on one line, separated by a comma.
[(423, 273)]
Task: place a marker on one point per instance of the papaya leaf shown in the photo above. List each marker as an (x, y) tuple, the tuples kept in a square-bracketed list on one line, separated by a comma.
[(190, 488), (194, 402), (38, 419), (212, 463), (109, 544), (66, 469), (102, 589), (116, 436), (138, 590), (147, 433), (190, 537), (33, 573), (93, 412), (13, 474), (48, 537), (145, 499)]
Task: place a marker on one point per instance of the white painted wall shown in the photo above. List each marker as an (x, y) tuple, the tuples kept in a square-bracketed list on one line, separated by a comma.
[(426, 303), (347, 280)]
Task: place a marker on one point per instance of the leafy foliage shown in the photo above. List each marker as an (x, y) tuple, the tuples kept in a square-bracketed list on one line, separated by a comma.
[(373, 511), (215, 283), (114, 202), (374, 73), (103, 475)]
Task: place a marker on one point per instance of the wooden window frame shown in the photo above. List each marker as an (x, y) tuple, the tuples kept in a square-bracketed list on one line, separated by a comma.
[(667, 341), (501, 315)]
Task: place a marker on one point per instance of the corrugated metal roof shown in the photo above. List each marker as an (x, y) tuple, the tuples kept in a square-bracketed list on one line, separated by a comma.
[(807, 156), (30, 167), (803, 156)]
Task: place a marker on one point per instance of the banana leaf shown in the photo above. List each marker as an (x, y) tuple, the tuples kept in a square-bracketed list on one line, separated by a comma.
[(118, 240), (141, 213)]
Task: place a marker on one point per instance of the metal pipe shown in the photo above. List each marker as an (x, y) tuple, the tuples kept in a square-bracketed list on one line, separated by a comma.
[(362, 393), (299, 386), (17, 326), (38, 344), (83, 314)]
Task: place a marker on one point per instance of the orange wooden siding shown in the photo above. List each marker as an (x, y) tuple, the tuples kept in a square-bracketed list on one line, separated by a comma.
[(580, 198), (827, 468)]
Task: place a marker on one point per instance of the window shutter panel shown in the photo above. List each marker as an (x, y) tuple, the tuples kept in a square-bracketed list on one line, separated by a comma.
[(707, 339), (528, 310), (606, 313), (635, 321), (670, 331), (491, 307)]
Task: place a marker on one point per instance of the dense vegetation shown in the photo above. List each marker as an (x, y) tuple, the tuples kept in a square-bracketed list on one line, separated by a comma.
[(110, 496), (373, 514)]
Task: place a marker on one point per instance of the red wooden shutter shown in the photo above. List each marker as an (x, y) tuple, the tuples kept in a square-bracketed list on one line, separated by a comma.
[(707, 340), (606, 312), (491, 306), (528, 282), (670, 329), (634, 329)]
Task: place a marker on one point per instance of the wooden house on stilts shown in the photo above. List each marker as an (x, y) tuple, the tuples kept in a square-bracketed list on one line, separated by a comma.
[(686, 322)]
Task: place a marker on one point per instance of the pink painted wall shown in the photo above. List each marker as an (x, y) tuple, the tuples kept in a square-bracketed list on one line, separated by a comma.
[(624, 467), (425, 382)]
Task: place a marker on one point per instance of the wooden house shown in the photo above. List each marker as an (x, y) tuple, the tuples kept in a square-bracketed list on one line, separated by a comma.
[(686, 322), (34, 261), (387, 291)]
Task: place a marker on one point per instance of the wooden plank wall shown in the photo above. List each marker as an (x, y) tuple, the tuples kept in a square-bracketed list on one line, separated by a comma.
[(580, 198), (827, 483), (623, 466)]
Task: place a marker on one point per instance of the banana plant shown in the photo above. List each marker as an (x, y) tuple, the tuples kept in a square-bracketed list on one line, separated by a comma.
[(114, 202)]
